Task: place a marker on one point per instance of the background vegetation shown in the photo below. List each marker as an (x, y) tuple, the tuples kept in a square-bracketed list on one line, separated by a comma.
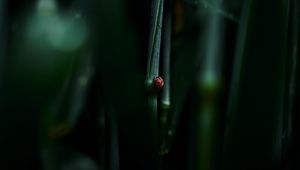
[(152, 84)]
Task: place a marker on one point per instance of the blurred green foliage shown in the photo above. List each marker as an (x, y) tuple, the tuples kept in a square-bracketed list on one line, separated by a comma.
[(77, 84)]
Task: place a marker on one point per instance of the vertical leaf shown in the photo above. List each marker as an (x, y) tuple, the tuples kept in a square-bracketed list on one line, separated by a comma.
[(254, 133)]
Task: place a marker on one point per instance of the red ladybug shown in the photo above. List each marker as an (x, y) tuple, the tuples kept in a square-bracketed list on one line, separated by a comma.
[(158, 82)]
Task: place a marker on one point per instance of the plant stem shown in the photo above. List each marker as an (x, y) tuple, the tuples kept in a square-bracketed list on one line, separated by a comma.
[(208, 114), (155, 40), (165, 99)]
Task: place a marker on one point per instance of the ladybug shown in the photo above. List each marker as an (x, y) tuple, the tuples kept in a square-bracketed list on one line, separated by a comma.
[(158, 82)]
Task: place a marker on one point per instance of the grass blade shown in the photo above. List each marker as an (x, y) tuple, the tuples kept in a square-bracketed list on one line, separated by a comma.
[(257, 95), (166, 60)]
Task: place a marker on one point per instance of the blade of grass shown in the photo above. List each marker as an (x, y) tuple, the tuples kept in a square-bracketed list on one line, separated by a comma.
[(291, 74), (102, 122), (154, 56), (166, 60), (155, 41), (156, 22), (257, 93), (237, 64), (113, 143), (209, 85)]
